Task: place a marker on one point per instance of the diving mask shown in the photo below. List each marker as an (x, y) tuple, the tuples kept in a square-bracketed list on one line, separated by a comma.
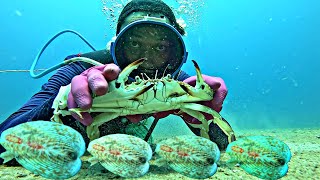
[(159, 43)]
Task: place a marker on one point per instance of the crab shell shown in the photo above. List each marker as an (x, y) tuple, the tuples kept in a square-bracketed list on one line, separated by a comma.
[(192, 156), (49, 149), (121, 154)]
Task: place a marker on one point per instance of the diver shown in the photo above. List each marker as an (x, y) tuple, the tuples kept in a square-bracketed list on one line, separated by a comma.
[(145, 29)]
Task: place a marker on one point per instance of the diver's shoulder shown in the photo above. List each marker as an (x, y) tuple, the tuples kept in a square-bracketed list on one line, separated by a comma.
[(103, 56)]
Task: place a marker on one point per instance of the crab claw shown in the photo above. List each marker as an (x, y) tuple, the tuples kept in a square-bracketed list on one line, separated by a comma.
[(124, 74), (200, 80), (201, 85)]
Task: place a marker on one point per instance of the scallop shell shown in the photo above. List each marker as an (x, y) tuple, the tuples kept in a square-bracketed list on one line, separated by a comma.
[(49, 149), (192, 156), (121, 154), (262, 156)]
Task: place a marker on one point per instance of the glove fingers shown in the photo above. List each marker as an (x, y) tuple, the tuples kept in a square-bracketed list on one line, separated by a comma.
[(97, 82), (219, 96), (80, 92), (86, 117), (93, 80), (217, 85), (111, 72), (70, 102), (213, 82)]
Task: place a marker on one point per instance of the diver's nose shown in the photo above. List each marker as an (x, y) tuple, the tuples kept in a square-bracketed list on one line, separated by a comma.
[(150, 52)]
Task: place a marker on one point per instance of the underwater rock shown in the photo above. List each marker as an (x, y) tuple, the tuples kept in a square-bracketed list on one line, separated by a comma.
[(45, 148), (189, 155), (262, 156), (121, 154)]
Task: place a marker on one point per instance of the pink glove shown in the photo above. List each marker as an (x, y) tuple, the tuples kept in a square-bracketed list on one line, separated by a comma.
[(94, 79), (220, 93)]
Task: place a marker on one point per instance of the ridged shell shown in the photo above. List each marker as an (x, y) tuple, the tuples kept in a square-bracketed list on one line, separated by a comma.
[(121, 154), (192, 156), (49, 149), (262, 156)]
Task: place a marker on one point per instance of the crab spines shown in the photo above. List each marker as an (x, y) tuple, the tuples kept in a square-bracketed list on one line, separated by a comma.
[(124, 74), (200, 80)]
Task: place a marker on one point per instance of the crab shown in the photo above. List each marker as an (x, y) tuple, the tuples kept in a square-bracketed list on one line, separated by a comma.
[(146, 96)]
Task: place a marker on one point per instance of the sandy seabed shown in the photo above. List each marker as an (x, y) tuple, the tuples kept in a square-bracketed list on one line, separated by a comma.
[(304, 164)]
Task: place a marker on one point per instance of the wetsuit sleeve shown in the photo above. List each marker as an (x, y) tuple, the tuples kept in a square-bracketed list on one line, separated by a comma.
[(182, 76)]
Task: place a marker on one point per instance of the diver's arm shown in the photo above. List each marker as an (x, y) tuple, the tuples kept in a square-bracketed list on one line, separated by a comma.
[(102, 56), (39, 106)]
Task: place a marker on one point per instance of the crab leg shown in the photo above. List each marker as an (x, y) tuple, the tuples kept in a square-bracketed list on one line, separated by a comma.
[(225, 127), (204, 127), (93, 129)]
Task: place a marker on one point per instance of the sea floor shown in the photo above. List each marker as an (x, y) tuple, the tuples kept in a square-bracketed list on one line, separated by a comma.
[(304, 164)]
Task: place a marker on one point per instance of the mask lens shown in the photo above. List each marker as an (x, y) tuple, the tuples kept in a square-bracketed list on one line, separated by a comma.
[(160, 45)]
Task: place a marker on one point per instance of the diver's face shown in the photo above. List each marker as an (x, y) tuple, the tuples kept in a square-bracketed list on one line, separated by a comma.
[(153, 44), (159, 45)]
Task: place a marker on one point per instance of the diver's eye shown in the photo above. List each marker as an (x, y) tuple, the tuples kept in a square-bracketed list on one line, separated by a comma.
[(161, 48), (135, 44)]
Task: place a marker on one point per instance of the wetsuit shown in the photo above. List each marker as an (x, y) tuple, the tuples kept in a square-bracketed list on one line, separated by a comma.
[(39, 106)]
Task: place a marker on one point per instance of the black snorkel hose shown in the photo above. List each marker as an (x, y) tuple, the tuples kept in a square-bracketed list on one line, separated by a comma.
[(45, 72)]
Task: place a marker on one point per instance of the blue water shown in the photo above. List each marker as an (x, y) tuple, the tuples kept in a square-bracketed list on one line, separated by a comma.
[(268, 53)]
